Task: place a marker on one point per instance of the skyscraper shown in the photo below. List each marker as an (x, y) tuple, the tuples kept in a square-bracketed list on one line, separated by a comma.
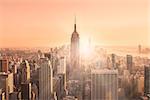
[(45, 79), (74, 50), (147, 80), (104, 84), (129, 62), (25, 72)]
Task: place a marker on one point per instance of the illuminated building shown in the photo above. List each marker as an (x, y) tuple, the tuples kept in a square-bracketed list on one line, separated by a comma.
[(104, 84), (45, 79), (74, 52)]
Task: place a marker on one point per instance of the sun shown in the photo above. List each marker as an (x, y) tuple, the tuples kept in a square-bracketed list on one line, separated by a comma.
[(85, 47)]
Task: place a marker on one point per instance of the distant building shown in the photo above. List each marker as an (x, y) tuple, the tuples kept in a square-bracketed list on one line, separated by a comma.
[(4, 65), (45, 79), (140, 49), (25, 72), (104, 84), (129, 62), (113, 59), (147, 80)]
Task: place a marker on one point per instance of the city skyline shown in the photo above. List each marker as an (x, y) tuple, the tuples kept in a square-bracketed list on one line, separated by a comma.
[(50, 23)]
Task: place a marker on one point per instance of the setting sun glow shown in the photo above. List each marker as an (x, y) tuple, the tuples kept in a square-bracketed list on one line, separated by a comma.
[(85, 46)]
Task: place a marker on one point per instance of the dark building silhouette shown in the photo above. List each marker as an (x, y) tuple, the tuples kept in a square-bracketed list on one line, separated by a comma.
[(26, 91)]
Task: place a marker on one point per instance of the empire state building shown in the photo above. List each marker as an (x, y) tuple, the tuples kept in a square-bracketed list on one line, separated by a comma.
[(74, 50)]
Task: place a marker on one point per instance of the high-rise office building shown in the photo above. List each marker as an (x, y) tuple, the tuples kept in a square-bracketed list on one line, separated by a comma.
[(129, 62), (74, 49), (147, 80), (4, 65), (25, 72), (104, 84), (45, 79)]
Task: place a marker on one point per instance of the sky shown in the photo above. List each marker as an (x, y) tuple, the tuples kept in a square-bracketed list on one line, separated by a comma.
[(46, 23)]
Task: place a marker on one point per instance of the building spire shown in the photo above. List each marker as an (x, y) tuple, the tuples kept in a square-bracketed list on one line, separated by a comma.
[(75, 24)]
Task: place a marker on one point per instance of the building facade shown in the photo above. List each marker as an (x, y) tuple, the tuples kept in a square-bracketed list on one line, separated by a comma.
[(45, 79), (104, 84)]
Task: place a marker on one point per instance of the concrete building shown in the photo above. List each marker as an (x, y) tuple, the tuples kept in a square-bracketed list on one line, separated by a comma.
[(45, 79), (104, 84)]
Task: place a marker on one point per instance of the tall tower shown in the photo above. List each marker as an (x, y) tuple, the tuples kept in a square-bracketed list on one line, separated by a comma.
[(45, 79), (74, 56)]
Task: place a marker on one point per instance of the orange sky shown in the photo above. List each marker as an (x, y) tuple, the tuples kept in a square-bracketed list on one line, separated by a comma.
[(36, 23)]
